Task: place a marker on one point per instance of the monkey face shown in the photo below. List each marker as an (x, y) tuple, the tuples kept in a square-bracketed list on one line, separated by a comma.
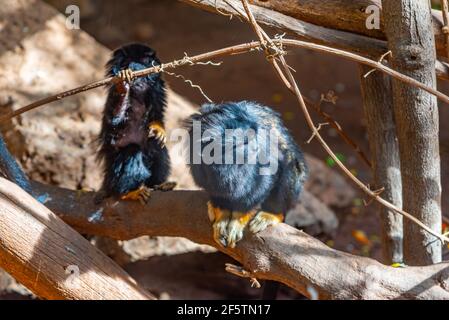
[(135, 57)]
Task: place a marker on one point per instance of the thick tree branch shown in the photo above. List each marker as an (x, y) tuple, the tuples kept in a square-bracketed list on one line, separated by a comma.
[(53, 260), (321, 34), (281, 253), (408, 27)]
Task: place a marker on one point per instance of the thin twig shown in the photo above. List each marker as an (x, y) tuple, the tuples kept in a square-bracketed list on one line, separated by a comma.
[(377, 192), (241, 272), (348, 172), (334, 124), (233, 50), (320, 125), (253, 23), (189, 82), (354, 57), (382, 57), (230, 15)]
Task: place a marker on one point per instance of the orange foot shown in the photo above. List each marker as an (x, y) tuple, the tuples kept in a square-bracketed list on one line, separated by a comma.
[(142, 194), (228, 227), (263, 220), (156, 130)]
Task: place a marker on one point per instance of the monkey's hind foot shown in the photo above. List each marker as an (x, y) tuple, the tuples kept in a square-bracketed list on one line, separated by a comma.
[(156, 130), (166, 186), (126, 75), (228, 226), (142, 194), (263, 220), (220, 219)]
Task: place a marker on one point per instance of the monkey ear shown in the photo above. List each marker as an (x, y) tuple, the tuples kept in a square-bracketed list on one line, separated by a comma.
[(150, 58)]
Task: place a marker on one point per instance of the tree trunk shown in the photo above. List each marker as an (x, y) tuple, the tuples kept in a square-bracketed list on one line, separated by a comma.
[(378, 107), (408, 26)]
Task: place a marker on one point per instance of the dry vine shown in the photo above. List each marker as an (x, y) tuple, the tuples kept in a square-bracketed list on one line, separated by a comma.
[(339, 129), (232, 50)]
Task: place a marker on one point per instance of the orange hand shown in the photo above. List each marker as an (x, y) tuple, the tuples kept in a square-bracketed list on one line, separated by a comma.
[(142, 194)]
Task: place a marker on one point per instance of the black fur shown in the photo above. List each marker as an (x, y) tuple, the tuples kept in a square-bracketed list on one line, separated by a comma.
[(241, 187), (131, 159)]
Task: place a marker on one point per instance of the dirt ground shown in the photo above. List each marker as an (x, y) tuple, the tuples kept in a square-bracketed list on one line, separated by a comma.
[(173, 29)]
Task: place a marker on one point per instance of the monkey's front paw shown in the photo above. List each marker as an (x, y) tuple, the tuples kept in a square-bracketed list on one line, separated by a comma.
[(156, 130), (142, 194), (126, 75), (263, 220)]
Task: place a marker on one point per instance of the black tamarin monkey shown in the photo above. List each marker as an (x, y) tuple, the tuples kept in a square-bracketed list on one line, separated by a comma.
[(255, 172), (245, 195), (132, 134)]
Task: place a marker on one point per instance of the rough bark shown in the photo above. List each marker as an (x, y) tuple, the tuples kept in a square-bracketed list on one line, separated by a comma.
[(378, 108), (57, 143), (281, 253), (408, 26), (51, 259), (322, 34)]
